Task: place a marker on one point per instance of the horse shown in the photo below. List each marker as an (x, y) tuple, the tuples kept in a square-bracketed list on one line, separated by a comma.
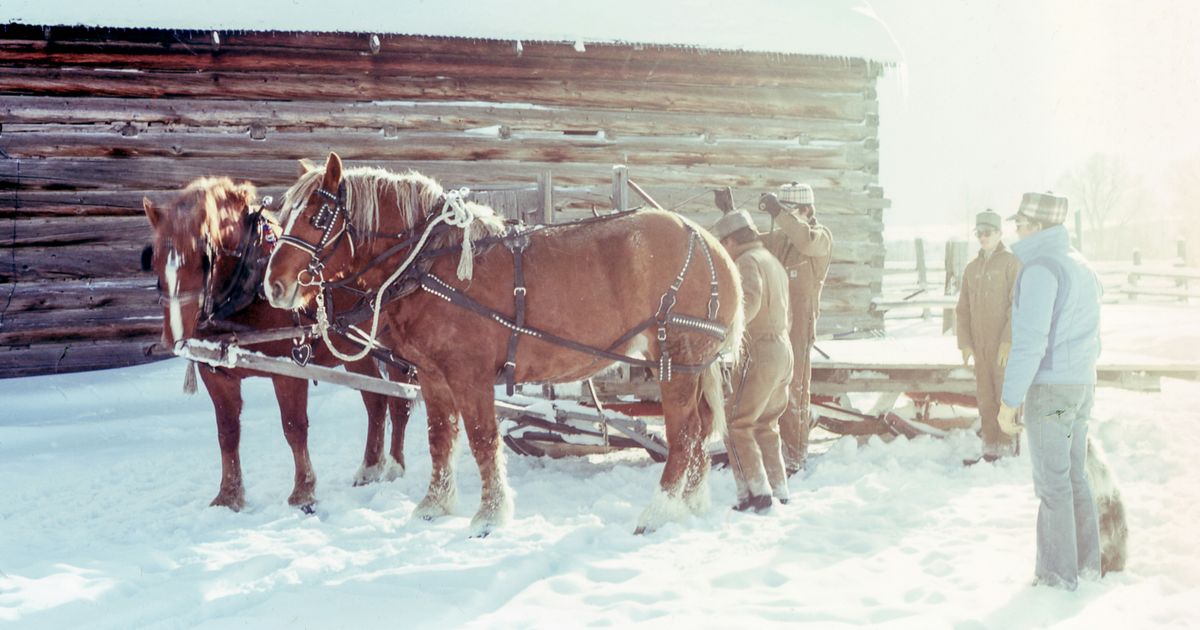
[(207, 246), (554, 303)]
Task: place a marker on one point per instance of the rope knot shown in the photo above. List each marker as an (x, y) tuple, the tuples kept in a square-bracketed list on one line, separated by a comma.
[(456, 213)]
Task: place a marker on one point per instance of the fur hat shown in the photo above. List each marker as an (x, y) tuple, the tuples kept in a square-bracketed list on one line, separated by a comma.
[(1044, 207), (796, 192), (988, 218), (732, 222)]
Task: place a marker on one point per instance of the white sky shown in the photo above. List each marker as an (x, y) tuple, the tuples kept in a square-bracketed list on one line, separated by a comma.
[(1003, 97)]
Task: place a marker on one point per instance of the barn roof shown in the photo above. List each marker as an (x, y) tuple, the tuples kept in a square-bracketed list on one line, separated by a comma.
[(836, 28)]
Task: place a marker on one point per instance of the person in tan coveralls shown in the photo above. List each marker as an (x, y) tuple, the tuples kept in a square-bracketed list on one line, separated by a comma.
[(805, 247), (760, 387), (984, 330)]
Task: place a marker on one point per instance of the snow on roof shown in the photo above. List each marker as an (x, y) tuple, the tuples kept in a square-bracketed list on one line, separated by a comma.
[(836, 28)]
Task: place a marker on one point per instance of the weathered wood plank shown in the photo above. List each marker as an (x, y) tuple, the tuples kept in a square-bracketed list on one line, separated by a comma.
[(646, 67), (788, 102), (28, 264), (406, 146), (94, 293), (78, 356), (62, 232), (110, 174), (33, 112)]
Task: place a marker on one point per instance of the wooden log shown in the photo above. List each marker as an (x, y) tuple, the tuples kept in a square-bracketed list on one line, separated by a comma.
[(34, 112), (62, 232), (646, 68), (112, 174), (533, 52), (786, 102), (417, 146), (138, 291), (27, 264), (77, 356)]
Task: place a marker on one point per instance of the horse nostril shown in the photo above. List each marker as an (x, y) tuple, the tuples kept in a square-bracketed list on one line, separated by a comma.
[(277, 289)]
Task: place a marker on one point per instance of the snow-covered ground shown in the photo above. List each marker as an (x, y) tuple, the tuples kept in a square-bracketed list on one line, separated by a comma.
[(105, 479)]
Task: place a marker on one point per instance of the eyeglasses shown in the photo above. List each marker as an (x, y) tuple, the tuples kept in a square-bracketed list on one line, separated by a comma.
[(1023, 224), (982, 232)]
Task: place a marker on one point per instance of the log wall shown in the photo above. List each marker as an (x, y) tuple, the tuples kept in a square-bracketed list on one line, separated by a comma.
[(93, 120)]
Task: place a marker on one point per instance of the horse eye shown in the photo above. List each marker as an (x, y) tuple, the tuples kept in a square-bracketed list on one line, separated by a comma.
[(148, 258)]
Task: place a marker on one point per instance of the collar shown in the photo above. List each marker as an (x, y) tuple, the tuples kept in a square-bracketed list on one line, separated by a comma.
[(1050, 241)]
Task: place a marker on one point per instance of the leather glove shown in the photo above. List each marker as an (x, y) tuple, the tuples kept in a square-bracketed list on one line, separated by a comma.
[(967, 352), (723, 198), (770, 203), (1010, 422), (1002, 355)]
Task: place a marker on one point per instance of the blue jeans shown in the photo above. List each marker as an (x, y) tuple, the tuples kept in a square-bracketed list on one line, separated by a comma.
[(1068, 537)]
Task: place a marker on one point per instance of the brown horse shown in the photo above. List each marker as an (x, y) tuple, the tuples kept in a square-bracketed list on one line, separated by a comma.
[(207, 241), (612, 287)]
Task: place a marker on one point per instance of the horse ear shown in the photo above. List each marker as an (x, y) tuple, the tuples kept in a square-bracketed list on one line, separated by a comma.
[(333, 169), (152, 212), (306, 165)]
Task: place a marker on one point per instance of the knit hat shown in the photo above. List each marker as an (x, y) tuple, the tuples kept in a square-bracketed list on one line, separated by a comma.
[(732, 222), (796, 192), (988, 218), (1044, 207)]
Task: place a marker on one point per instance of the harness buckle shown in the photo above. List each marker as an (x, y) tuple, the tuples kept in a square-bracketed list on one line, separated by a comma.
[(519, 291), (662, 333), (512, 365)]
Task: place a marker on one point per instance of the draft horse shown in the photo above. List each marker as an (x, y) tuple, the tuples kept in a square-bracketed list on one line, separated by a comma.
[(209, 251), (467, 298)]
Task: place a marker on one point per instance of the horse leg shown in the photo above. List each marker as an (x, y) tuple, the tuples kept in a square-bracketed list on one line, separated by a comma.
[(371, 469), (495, 501), (225, 391), (442, 496), (292, 394), (399, 409), (682, 489)]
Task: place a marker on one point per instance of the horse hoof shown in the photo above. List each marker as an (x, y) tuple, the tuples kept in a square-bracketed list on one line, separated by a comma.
[(429, 510), (368, 475), (234, 504), (308, 508), (640, 531)]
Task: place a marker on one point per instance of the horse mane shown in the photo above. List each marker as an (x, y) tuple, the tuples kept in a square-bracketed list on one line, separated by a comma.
[(220, 204), (418, 197)]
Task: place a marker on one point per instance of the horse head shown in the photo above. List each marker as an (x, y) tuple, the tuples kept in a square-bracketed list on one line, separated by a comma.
[(196, 236), (332, 219)]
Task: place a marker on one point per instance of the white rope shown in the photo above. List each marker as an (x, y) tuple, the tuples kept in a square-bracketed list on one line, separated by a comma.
[(454, 213)]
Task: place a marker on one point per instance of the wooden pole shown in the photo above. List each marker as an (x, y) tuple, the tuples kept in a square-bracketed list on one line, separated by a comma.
[(956, 265), (1181, 254), (1134, 276), (919, 246), (620, 188), (546, 194)]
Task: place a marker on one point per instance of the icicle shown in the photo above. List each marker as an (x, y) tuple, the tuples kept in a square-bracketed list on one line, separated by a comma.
[(189, 378)]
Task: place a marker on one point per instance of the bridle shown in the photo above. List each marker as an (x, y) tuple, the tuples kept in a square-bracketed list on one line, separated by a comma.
[(455, 212), (325, 219)]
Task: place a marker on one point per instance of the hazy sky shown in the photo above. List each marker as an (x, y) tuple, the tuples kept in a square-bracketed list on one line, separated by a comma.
[(998, 98)]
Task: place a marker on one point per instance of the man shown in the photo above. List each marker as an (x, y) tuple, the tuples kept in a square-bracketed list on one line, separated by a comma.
[(760, 388), (1052, 371), (805, 248), (984, 305)]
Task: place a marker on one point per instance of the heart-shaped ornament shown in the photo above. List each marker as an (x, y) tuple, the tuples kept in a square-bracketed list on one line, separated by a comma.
[(302, 354)]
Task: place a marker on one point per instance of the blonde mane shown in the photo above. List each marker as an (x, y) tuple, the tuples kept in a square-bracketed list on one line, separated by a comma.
[(416, 196), (217, 204)]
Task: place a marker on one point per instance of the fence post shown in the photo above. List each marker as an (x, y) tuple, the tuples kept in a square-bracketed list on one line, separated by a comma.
[(956, 264), (546, 197), (620, 193), (1134, 275), (1181, 252), (919, 244)]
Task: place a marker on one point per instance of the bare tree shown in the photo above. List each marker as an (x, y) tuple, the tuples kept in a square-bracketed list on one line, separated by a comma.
[(1102, 190)]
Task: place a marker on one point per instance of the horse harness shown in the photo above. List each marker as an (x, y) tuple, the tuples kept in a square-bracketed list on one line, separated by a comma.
[(418, 277)]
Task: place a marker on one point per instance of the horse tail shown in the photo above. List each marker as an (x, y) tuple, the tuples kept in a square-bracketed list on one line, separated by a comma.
[(1110, 510), (712, 381), (712, 393)]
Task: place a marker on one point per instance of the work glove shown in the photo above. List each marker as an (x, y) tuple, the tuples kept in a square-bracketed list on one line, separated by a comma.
[(723, 198), (769, 203), (1010, 421), (1002, 355), (967, 352)]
